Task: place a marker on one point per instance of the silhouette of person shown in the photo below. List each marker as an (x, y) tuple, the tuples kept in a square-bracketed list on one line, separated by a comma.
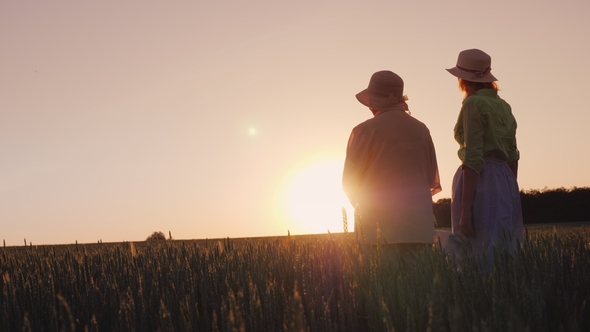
[(485, 203), (390, 171)]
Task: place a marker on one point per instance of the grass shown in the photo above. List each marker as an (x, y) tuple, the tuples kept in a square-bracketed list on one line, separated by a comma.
[(294, 283)]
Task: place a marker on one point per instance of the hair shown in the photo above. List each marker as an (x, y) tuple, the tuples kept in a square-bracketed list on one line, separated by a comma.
[(469, 87)]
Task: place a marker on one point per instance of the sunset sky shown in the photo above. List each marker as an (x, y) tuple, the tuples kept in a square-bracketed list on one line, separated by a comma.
[(215, 119)]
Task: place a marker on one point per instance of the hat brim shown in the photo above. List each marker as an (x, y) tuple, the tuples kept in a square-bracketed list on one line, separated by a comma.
[(379, 103), (363, 98), (375, 103), (488, 77)]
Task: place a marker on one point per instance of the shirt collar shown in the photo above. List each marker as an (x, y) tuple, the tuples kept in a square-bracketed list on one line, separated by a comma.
[(487, 93)]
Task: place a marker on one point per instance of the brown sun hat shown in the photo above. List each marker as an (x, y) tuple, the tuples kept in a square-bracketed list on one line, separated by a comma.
[(385, 92), (473, 65)]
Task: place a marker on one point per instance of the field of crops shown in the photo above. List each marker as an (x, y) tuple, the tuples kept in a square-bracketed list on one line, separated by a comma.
[(295, 283)]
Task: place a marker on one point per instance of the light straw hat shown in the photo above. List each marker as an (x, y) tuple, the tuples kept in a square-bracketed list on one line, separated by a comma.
[(473, 65), (385, 92)]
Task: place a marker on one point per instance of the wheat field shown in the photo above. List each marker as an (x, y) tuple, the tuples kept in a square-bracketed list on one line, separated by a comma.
[(294, 283)]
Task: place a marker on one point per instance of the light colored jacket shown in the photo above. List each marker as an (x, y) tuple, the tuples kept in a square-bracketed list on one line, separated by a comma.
[(390, 174), (486, 127)]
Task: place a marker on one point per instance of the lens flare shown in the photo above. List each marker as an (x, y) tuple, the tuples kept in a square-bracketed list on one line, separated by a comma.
[(314, 198)]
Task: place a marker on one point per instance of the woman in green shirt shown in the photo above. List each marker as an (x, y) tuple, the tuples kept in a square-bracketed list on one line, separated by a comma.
[(485, 204)]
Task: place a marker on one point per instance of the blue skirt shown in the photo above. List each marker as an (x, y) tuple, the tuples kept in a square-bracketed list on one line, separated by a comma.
[(497, 213)]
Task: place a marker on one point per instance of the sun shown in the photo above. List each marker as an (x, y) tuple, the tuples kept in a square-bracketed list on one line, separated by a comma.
[(314, 199)]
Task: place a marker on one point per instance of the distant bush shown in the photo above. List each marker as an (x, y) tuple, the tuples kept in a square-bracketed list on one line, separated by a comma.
[(442, 213), (556, 205), (156, 236)]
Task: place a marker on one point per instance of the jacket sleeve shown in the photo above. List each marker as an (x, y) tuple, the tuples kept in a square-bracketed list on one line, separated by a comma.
[(513, 153), (435, 186), (473, 126), (357, 153)]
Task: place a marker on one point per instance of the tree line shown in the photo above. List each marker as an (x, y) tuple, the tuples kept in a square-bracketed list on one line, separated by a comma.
[(538, 206)]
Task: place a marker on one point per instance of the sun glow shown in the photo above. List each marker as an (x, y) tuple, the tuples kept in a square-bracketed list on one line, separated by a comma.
[(314, 199)]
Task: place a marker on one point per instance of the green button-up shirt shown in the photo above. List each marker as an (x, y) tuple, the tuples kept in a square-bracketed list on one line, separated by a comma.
[(485, 127)]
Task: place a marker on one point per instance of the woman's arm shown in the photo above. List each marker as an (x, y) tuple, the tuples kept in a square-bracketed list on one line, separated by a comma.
[(470, 179), (514, 168), (473, 162)]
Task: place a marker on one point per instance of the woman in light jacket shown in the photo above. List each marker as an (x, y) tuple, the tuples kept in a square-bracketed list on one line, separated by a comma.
[(390, 171)]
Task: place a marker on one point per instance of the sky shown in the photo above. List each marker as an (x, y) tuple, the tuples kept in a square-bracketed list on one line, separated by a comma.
[(211, 119)]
